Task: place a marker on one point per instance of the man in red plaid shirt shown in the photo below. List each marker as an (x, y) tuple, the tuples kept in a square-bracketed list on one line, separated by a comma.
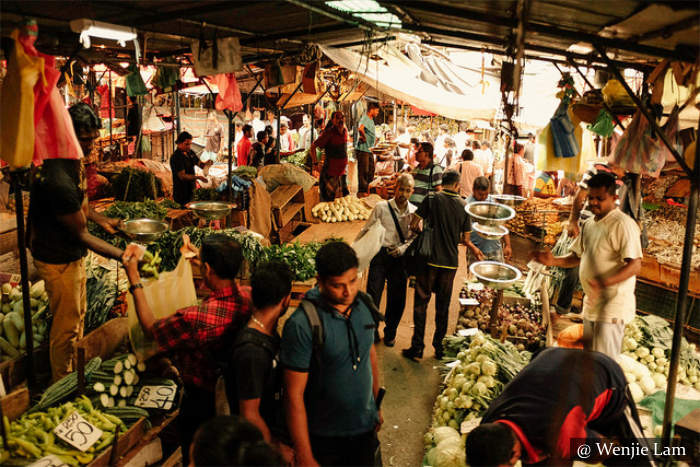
[(194, 334)]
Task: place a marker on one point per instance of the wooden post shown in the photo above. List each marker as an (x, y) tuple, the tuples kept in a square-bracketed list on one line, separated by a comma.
[(495, 305), (17, 177), (109, 78)]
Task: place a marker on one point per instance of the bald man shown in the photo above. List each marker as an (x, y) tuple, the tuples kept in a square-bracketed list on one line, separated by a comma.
[(387, 266)]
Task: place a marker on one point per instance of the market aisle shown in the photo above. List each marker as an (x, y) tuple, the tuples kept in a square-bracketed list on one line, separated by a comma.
[(412, 387)]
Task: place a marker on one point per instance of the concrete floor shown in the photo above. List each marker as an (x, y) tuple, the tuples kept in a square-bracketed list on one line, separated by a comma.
[(411, 388)]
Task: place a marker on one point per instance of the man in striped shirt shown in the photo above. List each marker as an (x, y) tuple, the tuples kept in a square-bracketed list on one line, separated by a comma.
[(427, 176)]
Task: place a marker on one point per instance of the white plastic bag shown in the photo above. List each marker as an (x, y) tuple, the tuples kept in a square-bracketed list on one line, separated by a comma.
[(368, 245), (172, 291)]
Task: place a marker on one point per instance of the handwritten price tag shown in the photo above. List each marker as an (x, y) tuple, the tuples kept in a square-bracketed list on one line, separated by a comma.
[(78, 432), (156, 397), (49, 461)]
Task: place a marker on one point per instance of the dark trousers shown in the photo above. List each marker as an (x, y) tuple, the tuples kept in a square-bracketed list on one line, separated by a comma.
[(509, 189), (197, 407), (358, 450), (384, 268), (567, 288), (428, 281), (365, 170)]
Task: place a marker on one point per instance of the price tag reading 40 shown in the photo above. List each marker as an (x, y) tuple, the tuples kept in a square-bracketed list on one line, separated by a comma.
[(78, 432), (156, 397)]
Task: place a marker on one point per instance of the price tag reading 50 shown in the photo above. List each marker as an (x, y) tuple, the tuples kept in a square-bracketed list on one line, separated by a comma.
[(49, 461), (78, 432), (156, 397)]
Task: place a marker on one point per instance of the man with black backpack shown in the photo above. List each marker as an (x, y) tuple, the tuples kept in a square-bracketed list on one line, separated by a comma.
[(254, 382), (331, 374)]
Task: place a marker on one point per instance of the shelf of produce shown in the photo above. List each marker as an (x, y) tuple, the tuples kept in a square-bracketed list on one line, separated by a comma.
[(320, 232), (126, 443)]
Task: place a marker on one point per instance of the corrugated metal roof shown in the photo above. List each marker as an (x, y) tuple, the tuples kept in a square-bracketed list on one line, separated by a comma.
[(265, 27)]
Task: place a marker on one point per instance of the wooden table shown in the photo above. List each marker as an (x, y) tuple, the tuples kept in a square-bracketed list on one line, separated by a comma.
[(319, 232)]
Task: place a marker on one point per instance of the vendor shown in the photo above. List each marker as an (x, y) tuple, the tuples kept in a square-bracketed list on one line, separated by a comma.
[(492, 249), (333, 172), (560, 397), (59, 239), (364, 139), (609, 252), (192, 334), (182, 164)]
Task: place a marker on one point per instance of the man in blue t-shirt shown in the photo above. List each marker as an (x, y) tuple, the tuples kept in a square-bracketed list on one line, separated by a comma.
[(492, 249), (330, 395), (364, 139)]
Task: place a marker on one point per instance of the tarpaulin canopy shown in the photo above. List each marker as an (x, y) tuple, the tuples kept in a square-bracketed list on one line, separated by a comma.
[(432, 83)]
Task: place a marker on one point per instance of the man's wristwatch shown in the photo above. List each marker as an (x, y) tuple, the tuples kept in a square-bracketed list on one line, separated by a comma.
[(133, 287)]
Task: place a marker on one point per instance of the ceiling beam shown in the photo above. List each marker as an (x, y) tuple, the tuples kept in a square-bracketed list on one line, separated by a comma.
[(552, 31), (667, 31), (260, 39), (502, 42)]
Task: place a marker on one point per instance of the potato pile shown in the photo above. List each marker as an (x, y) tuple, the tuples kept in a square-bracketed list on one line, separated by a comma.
[(348, 208)]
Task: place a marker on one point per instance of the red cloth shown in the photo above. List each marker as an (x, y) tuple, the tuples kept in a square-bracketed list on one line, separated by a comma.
[(243, 151), (192, 333), (530, 454), (54, 136), (229, 96)]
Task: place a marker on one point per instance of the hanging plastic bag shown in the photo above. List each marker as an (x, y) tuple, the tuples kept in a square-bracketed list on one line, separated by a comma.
[(17, 105), (229, 96), (134, 83), (638, 152), (53, 128), (603, 124), (216, 57), (368, 245), (562, 128), (173, 291)]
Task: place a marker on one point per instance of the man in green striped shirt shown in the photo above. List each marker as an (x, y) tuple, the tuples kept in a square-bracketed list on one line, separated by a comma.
[(427, 176)]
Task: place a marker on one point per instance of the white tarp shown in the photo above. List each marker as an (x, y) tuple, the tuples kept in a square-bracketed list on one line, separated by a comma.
[(402, 78)]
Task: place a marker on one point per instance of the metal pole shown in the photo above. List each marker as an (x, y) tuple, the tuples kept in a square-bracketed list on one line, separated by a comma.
[(177, 111), (505, 166), (395, 135), (645, 111), (682, 303), (229, 184), (16, 180), (109, 101)]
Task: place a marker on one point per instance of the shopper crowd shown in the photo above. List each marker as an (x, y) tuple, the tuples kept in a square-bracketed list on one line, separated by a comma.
[(312, 395)]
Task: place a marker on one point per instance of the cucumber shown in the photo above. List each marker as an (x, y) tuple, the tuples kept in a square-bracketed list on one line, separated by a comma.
[(129, 377), (121, 403), (123, 392), (8, 349), (104, 399), (98, 387), (141, 367), (132, 359), (113, 390), (117, 379), (11, 332)]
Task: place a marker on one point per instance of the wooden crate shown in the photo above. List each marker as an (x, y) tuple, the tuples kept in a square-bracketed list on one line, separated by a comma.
[(104, 341), (669, 276), (13, 371), (650, 269)]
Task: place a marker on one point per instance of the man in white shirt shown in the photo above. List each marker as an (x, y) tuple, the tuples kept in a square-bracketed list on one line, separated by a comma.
[(461, 139), (305, 133), (272, 121), (256, 123), (482, 158), (609, 255), (387, 266)]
